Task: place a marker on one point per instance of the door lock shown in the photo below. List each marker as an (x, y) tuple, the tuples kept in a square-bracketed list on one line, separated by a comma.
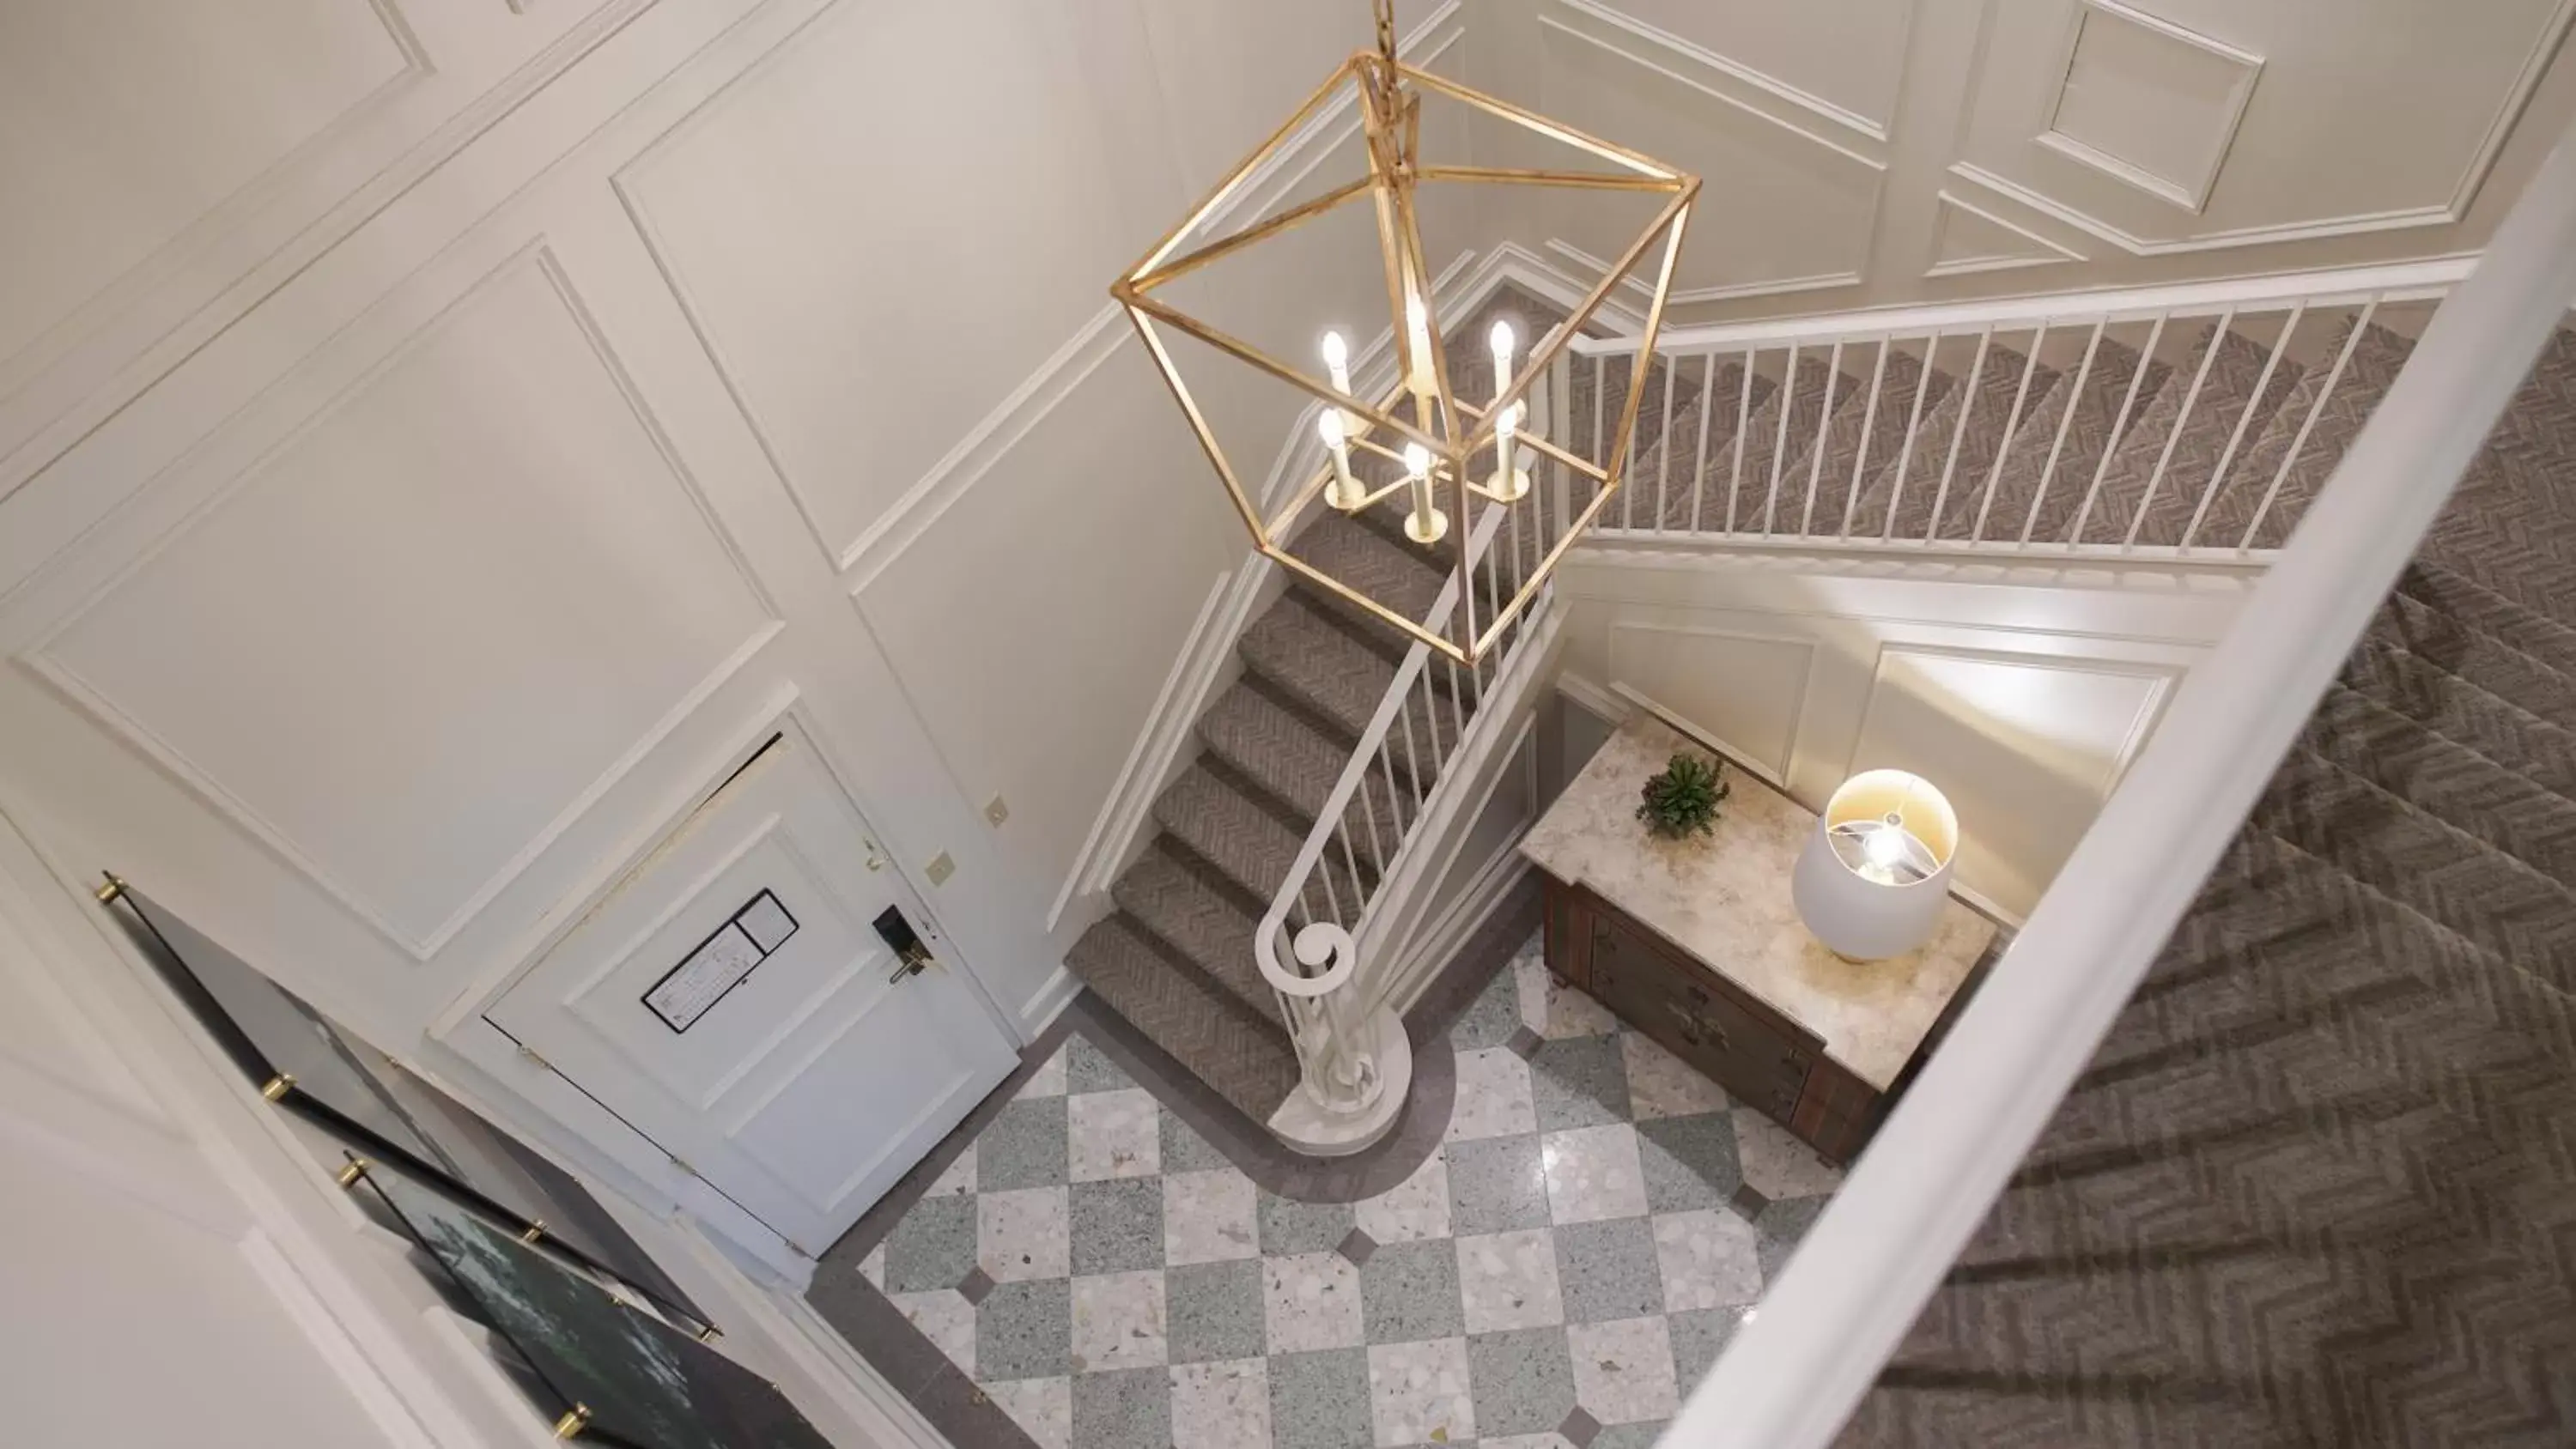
[(910, 954)]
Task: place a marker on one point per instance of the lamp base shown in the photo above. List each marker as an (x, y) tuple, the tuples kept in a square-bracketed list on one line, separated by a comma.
[(1510, 489), (1426, 528)]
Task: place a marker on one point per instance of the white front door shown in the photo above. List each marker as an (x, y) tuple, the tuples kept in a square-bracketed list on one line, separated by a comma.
[(734, 1001)]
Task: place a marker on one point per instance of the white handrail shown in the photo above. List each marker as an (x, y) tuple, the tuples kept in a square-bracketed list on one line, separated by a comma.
[(1355, 771), (2338, 286), (1794, 1372)]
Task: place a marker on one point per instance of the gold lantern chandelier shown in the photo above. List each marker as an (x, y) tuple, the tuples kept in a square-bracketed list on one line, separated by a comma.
[(1421, 422)]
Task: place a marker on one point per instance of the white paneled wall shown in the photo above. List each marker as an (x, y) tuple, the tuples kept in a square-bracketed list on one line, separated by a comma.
[(1880, 151)]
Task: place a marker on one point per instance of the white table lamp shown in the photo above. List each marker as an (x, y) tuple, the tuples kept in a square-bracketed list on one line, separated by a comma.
[(1875, 874)]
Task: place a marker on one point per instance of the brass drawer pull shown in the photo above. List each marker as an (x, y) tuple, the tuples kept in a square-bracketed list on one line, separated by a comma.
[(1698, 1030)]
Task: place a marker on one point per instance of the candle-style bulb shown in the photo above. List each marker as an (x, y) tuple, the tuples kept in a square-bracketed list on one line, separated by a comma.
[(1503, 340), (1417, 461), (1337, 361), (1417, 338)]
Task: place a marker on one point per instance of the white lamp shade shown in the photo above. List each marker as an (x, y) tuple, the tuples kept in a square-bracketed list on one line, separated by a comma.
[(1875, 873)]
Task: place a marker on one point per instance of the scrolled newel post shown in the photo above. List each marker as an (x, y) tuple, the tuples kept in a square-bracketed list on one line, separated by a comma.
[(1347, 1078)]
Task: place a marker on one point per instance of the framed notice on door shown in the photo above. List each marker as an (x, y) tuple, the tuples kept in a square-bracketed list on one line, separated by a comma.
[(721, 962)]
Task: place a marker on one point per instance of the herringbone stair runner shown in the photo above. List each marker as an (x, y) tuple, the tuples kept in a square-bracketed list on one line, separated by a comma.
[(2318, 1186), (1176, 956)]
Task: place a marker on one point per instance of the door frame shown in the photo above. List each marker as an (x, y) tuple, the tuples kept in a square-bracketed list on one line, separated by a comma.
[(538, 1094)]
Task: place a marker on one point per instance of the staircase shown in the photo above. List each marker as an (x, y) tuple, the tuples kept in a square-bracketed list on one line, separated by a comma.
[(1177, 957), (2318, 1185)]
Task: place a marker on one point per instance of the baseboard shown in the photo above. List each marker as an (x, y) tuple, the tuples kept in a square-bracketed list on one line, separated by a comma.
[(1048, 1002), (1205, 651)]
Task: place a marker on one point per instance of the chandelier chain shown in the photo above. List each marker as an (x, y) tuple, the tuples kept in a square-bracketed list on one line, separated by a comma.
[(1386, 31)]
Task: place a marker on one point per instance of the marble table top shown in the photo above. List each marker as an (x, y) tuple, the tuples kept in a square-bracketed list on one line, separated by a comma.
[(1724, 899)]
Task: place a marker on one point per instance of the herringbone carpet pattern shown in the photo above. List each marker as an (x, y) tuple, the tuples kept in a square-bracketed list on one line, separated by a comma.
[(1176, 956), (2318, 1187)]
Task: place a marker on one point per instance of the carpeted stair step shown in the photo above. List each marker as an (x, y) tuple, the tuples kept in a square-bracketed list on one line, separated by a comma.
[(1314, 660), (2456, 784), (1246, 1059), (2511, 525), (2187, 444), (2262, 987), (1782, 429), (2533, 746), (1400, 576), (1664, 450), (2045, 500), (2477, 607), (2433, 867), (1982, 505), (1674, 468), (1223, 824), (1957, 441), (1862, 438), (2367, 375), (1297, 766), (1170, 897), (2446, 643)]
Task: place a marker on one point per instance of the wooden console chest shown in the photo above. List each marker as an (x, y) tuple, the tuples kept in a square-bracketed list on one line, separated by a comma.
[(1698, 945)]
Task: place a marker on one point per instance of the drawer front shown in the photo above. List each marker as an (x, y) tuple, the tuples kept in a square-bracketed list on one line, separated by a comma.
[(1698, 1022)]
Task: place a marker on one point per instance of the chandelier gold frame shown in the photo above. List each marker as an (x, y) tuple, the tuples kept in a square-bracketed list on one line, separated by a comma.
[(1449, 427)]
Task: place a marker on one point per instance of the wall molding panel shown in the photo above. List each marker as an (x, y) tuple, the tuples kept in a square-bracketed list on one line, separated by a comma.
[(464, 71), (2123, 127), (1968, 239), (1711, 71), (1853, 148), (1689, 671), (2089, 145), (529, 282)]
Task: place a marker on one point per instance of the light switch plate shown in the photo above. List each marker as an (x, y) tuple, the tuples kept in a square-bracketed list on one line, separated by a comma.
[(940, 868), (997, 810)]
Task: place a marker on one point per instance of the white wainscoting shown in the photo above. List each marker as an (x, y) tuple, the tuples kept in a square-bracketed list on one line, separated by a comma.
[(1915, 150), (2023, 699)]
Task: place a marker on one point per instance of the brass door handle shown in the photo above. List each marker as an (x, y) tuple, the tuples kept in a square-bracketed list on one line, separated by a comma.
[(912, 963)]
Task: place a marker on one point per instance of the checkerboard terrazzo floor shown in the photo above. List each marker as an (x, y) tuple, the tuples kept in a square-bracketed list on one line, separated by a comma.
[(1562, 1269)]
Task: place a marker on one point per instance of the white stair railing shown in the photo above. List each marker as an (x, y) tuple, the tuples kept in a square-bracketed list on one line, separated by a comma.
[(1999, 357), (1796, 1369), (1396, 780)]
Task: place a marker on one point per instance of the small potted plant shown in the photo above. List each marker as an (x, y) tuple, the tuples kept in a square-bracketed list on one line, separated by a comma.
[(1682, 801)]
